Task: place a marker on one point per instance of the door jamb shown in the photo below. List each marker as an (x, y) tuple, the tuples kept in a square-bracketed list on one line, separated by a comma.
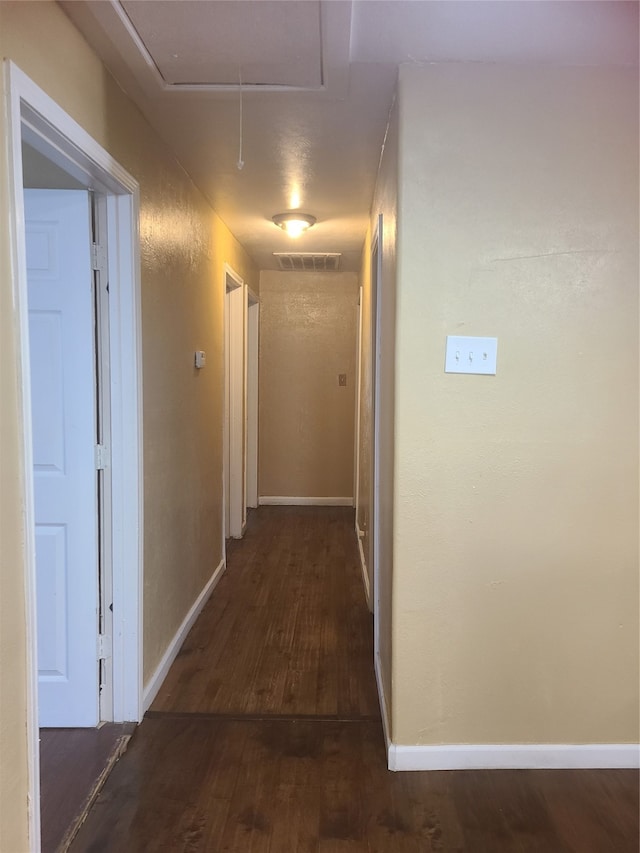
[(33, 115), (376, 252), (233, 446), (356, 455), (99, 220), (252, 333)]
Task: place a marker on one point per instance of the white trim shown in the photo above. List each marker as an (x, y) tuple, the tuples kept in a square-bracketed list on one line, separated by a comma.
[(376, 353), (17, 250), (252, 350), (383, 709), (284, 500), (33, 116), (44, 119), (356, 451), (245, 420), (233, 444), (363, 566), (125, 333), (154, 684), (103, 226), (512, 756)]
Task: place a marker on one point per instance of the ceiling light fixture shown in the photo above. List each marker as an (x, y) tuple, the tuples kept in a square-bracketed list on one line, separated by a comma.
[(294, 223)]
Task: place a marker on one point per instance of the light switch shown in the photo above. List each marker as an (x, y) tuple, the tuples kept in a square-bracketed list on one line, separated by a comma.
[(342, 379), (471, 355), (200, 359)]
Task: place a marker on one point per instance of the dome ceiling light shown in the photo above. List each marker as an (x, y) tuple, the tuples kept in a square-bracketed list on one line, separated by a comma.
[(294, 223)]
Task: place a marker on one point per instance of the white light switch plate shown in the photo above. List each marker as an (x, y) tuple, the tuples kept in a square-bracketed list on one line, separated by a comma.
[(471, 355)]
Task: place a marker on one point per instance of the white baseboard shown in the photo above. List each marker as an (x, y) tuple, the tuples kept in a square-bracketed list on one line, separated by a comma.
[(363, 566), (283, 500), (383, 707), (155, 682), (514, 756)]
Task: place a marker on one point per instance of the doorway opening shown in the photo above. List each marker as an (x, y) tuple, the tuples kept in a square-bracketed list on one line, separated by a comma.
[(104, 310), (251, 406), (374, 497), (235, 513), (66, 354), (356, 450)]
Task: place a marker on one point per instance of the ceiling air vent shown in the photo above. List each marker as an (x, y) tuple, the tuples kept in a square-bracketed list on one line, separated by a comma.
[(308, 261)]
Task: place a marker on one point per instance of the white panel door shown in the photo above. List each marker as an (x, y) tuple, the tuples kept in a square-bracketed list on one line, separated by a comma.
[(61, 339)]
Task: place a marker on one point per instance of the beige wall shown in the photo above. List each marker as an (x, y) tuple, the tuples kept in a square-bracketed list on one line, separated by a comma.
[(308, 326), (13, 651), (515, 601), (183, 248)]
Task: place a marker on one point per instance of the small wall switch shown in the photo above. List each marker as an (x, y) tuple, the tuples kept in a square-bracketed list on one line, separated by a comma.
[(201, 358), (342, 379), (471, 355)]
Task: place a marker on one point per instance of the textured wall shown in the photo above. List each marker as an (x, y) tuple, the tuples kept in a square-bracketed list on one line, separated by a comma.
[(308, 326), (516, 500), (13, 650), (183, 248)]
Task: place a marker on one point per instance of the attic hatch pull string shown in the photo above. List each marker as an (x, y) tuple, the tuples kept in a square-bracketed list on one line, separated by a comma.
[(240, 162)]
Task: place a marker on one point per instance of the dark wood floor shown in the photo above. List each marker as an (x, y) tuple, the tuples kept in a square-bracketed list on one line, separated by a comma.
[(73, 765), (287, 630), (266, 735)]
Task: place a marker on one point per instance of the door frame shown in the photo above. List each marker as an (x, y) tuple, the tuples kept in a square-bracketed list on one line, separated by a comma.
[(233, 440), (356, 454), (376, 352), (33, 116), (103, 424), (252, 344)]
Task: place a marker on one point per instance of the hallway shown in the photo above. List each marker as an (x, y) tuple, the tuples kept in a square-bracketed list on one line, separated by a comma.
[(266, 735), (287, 630)]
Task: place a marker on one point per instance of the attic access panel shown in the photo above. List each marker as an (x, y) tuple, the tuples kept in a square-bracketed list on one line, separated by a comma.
[(195, 43)]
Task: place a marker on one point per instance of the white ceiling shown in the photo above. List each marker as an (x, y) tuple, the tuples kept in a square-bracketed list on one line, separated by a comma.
[(318, 82)]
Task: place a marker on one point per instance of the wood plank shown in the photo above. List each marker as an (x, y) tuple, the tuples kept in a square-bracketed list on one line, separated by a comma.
[(267, 737), (342, 827), (287, 625), (592, 811), (73, 766), (205, 784)]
